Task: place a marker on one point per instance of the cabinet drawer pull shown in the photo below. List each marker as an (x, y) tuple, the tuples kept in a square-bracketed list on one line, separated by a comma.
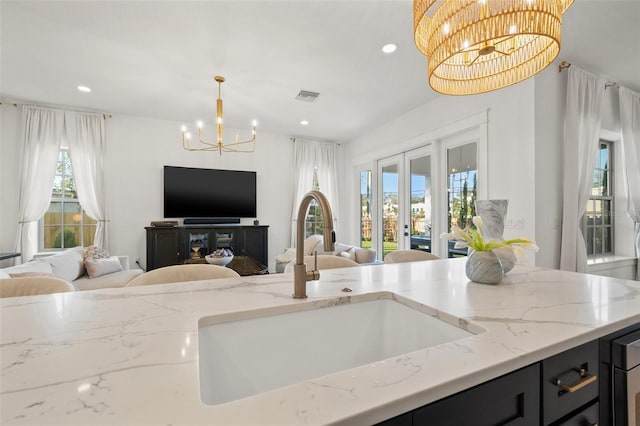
[(585, 379)]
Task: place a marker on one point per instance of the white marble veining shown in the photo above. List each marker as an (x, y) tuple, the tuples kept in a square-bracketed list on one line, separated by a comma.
[(130, 355)]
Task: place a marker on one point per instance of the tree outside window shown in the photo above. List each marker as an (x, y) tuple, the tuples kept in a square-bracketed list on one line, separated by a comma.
[(65, 224)]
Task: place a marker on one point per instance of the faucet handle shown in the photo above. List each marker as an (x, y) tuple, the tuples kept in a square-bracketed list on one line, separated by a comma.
[(313, 274)]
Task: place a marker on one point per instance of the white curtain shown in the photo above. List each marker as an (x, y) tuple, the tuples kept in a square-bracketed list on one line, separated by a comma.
[(308, 156), (328, 177), (630, 124), (85, 134), (581, 138), (41, 135)]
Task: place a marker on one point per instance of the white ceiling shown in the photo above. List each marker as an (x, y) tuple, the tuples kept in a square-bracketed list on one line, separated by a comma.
[(158, 58)]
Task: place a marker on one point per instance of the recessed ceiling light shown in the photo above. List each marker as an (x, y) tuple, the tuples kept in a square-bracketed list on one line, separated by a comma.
[(304, 122), (389, 48), (84, 89)]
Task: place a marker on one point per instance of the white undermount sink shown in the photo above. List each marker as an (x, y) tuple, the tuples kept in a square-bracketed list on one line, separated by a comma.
[(256, 351)]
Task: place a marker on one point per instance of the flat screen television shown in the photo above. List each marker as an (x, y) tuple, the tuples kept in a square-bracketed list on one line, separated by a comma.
[(209, 193)]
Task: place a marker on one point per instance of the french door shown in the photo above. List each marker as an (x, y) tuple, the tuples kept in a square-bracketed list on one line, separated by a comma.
[(404, 202), (408, 199)]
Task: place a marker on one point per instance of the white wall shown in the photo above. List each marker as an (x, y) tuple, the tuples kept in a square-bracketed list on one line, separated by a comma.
[(511, 142), (137, 150)]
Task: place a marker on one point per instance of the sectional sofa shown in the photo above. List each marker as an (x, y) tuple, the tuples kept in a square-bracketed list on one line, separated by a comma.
[(74, 266)]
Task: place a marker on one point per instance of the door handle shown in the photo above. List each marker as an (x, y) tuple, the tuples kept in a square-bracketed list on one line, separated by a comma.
[(586, 378)]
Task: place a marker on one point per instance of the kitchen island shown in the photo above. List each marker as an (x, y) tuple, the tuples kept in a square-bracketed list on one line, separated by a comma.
[(130, 355)]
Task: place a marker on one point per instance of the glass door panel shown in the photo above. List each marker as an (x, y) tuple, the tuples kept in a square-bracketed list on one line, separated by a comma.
[(462, 188), (420, 203), (390, 193), (365, 208), (390, 183)]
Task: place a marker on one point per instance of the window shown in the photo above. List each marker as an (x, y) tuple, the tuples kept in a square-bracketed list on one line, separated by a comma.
[(597, 223), (313, 223), (65, 224)]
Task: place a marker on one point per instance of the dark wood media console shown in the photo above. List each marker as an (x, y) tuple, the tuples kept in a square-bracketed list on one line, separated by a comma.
[(175, 245)]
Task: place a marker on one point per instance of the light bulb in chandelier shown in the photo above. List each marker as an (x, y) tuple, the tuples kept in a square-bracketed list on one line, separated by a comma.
[(219, 145)]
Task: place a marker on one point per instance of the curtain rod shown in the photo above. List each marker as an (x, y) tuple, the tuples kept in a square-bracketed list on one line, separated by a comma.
[(564, 65), (106, 116), (294, 139)]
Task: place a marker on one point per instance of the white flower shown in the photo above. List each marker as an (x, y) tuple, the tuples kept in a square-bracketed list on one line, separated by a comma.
[(530, 246), (477, 221), (461, 244), (458, 233), (447, 236)]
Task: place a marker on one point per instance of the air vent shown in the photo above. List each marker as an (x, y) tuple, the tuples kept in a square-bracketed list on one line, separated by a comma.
[(307, 96)]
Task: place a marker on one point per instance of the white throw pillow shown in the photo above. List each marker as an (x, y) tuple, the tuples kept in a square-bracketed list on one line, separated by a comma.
[(102, 266), (349, 253), (68, 264)]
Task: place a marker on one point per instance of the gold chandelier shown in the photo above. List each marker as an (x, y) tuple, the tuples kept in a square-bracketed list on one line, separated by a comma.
[(219, 145), (475, 46)]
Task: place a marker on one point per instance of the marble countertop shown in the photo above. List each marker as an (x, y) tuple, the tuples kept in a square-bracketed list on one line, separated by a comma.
[(130, 355)]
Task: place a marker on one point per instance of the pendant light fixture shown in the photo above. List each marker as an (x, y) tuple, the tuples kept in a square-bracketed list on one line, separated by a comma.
[(476, 46)]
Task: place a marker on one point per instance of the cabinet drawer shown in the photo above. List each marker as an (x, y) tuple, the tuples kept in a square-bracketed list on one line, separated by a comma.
[(513, 399), (587, 417), (558, 402)]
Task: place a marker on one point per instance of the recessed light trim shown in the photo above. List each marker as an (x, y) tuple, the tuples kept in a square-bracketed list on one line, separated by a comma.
[(389, 48), (84, 89)]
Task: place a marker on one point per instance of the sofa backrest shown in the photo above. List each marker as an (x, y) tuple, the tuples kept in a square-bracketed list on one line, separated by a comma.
[(67, 264)]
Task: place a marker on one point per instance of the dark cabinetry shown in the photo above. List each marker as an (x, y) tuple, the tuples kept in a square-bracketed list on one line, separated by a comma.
[(175, 245), (569, 382), (512, 399), (163, 247), (529, 396)]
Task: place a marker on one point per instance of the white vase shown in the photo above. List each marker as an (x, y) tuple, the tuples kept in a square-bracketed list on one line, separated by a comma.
[(484, 267), (493, 213)]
